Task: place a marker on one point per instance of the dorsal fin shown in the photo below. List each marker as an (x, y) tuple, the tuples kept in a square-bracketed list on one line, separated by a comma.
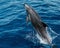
[(45, 25)]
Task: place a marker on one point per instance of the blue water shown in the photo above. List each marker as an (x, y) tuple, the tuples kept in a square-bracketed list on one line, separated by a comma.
[(16, 33)]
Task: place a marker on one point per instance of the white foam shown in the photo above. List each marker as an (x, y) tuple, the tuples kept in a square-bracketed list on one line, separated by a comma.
[(50, 38), (53, 33), (41, 40)]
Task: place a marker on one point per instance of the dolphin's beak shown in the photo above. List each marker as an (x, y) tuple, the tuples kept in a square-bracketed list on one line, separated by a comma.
[(26, 7)]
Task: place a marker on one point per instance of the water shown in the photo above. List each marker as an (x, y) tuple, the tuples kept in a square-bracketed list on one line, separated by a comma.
[(16, 33)]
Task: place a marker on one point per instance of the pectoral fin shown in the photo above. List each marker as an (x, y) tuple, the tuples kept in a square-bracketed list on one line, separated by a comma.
[(28, 18)]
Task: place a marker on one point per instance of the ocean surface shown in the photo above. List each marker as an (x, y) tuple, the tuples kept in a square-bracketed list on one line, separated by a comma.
[(14, 30)]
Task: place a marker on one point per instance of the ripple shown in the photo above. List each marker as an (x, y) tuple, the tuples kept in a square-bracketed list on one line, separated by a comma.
[(13, 20), (57, 22), (7, 20)]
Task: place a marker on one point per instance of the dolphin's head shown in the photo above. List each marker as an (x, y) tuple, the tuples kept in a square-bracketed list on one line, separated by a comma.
[(27, 7), (32, 13), (29, 10)]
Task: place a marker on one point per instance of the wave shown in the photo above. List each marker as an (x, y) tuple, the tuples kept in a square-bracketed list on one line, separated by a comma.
[(56, 22)]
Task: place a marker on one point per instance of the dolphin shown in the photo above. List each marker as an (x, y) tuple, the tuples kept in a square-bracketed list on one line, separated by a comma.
[(38, 24)]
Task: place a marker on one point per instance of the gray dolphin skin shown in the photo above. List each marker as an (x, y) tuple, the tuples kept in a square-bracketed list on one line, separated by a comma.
[(40, 27)]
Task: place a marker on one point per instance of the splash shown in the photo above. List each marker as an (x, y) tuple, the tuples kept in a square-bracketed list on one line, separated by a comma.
[(41, 40), (52, 35)]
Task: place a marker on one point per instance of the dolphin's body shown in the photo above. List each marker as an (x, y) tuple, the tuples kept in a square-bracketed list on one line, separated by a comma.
[(40, 27)]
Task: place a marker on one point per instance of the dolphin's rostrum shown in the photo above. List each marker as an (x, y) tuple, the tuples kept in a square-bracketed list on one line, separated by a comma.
[(39, 26)]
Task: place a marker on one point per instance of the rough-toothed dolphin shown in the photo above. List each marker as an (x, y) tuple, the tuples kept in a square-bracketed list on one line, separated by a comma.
[(39, 26)]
